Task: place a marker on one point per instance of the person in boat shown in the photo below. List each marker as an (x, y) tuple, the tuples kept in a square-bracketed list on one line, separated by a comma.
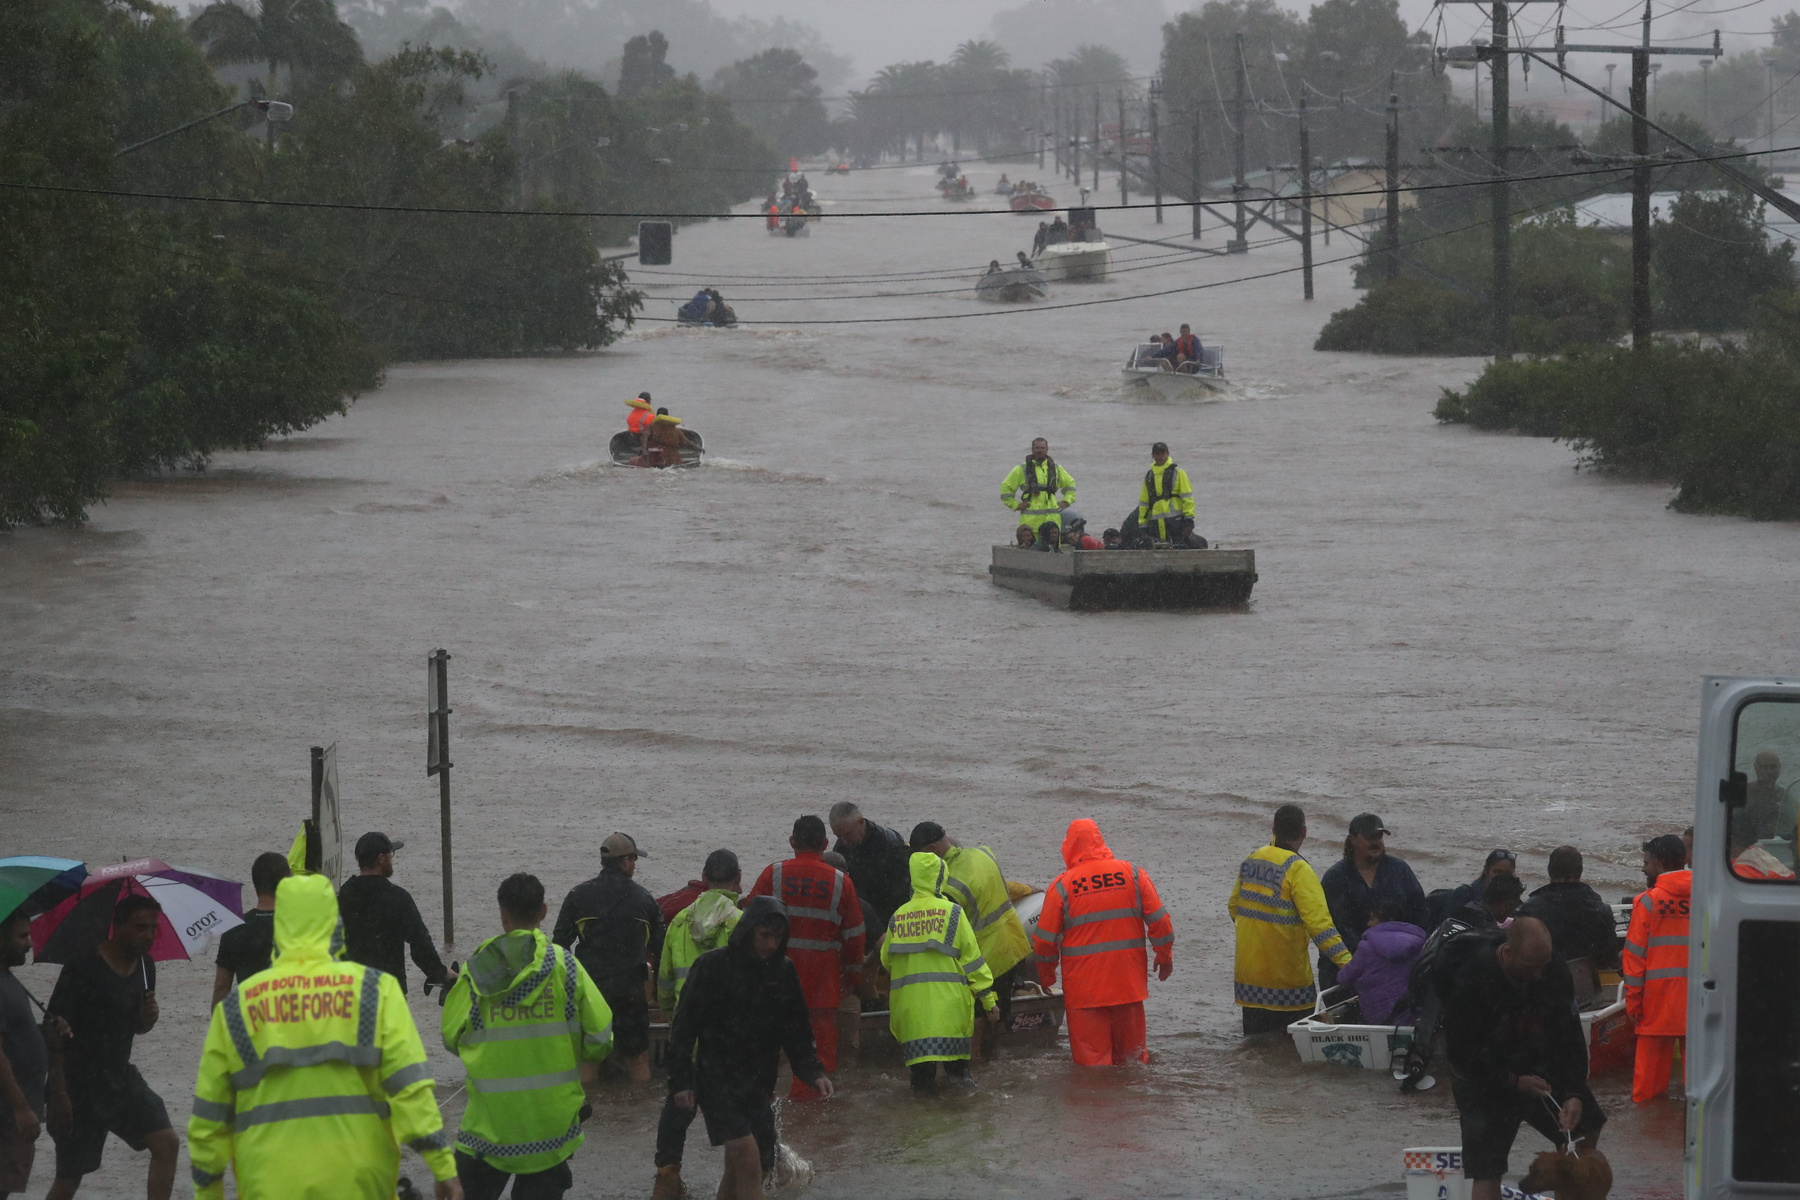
[(1075, 535), (1038, 490), (774, 211), (993, 266), (1382, 965), (640, 416), (1004, 181), (698, 309), (663, 442), (1580, 922), (1187, 348), (1026, 262), (1364, 876), (1112, 539), (1278, 910), (1498, 862), (1165, 355), (1049, 538), (1166, 499), (1058, 231), (722, 313), (1024, 536), (1041, 240)]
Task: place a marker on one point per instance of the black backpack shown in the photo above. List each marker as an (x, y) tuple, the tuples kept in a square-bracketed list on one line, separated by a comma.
[(1443, 954)]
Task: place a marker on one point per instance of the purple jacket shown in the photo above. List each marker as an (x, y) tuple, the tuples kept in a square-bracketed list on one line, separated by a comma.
[(1379, 970)]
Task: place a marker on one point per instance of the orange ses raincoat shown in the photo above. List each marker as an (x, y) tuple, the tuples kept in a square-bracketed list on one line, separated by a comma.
[(1655, 961), (1095, 918)]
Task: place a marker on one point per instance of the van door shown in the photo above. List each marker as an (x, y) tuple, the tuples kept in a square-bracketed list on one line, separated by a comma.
[(1743, 1047)]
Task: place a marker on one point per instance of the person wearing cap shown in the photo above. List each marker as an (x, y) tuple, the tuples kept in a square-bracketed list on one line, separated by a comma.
[(641, 414), (1075, 535), (825, 934), (381, 919), (1655, 966), (702, 926), (616, 931), (1166, 499), (1365, 876), (978, 886), (1038, 490)]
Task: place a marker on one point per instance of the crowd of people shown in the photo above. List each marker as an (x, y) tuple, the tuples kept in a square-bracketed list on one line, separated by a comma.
[(1042, 493), (313, 1074), (1500, 976)]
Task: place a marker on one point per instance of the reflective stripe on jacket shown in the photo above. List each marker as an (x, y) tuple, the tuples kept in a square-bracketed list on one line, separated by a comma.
[(935, 962), (1094, 921), (1279, 909), (978, 887), (523, 1017), (1173, 496), (1031, 488), (312, 1074), (704, 925), (1655, 961), (825, 925)]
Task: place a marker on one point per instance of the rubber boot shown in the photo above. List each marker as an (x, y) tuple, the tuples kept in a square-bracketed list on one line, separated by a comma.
[(668, 1183)]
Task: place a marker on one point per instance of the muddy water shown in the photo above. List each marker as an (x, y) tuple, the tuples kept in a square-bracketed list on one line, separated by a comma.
[(1455, 630)]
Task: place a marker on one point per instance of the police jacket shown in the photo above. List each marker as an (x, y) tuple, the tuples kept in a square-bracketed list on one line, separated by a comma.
[(1498, 1030), (825, 924), (312, 1075), (935, 963), (1094, 921), (1655, 962), (738, 1015), (523, 1016), (381, 920), (614, 927), (1581, 923), (1279, 910)]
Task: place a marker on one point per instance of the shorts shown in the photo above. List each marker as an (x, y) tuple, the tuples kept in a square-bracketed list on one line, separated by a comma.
[(16, 1157), (732, 1113), (1491, 1117), (631, 1017), (484, 1181), (132, 1112)]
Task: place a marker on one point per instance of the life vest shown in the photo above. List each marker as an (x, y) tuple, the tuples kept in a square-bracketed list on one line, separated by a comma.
[(1032, 485), (638, 419), (1165, 490), (1188, 346), (825, 925), (1655, 960)]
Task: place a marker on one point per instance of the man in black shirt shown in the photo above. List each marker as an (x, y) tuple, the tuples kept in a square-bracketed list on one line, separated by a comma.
[(30, 1065), (1581, 923), (248, 948), (381, 920), (878, 858), (616, 931), (1517, 1051), (108, 998)]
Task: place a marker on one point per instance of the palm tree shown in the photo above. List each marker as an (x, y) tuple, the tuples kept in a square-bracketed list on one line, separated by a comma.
[(297, 34), (911, 89)]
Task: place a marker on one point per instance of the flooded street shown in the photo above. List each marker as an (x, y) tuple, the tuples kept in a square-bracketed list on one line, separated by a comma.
[(1454, 630)]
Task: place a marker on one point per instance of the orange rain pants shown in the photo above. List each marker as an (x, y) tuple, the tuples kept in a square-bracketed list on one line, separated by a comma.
[(1107, 1037)]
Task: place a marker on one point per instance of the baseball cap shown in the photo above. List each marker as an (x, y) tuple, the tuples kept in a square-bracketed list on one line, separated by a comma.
[(926, 833), (1366, 825), (1162, 446), (618, 845), (374, 845)]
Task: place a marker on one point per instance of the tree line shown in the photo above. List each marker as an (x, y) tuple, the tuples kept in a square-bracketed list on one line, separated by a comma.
[(140, 334)]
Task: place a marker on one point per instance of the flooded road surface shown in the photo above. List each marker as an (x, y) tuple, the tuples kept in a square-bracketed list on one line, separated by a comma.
[(1454, 630)]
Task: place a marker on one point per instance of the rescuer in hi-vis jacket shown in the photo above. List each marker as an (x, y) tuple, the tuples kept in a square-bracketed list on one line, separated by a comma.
[(313, 1075), (1166, 499), (935, 963), (1037, 489), (523, 1017), (1279, 910), (974, 880)]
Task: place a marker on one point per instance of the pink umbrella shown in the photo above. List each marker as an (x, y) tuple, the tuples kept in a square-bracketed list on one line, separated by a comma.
[(196, 908)]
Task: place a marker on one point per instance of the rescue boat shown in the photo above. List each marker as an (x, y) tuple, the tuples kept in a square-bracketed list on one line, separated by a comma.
[(1105, 580), (1076, 262), (1014, 285), (626, 446), (1191, 381), (1035, 200)]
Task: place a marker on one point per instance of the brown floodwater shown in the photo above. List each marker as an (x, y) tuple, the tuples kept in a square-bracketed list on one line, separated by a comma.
[(1455, 630)]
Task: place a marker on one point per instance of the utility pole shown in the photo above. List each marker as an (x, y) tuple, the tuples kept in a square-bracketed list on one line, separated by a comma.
[(1238, 244), (1124, 187), (1391, 261), (1155, 149), (1306, 197), (1706, 96), (1195, 175), (1095, 148), (1501, 195), (1640, 191), (1043, 117), (437, 762)]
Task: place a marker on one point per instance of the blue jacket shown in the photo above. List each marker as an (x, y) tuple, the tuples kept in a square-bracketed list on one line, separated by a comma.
[(1351, 900)]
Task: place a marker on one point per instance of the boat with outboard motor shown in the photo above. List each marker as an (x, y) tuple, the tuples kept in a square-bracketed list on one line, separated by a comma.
[(1031, 199), (626, 449), (1203, 377), (1012, 285), (1102, 580), (1076, 262)]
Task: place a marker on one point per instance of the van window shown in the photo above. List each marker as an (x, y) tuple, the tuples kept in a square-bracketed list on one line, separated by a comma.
[(1764, 1106), (1766, 750)]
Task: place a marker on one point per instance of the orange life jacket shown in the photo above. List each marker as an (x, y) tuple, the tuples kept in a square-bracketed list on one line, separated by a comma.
[(638, 419), (1655, 961), (825, 924), (1094, 921)]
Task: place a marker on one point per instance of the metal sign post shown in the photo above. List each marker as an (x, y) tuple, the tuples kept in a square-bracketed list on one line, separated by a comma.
[(437, 762)]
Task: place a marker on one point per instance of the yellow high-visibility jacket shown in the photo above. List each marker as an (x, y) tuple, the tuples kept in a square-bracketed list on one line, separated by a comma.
[(974, 881), (934, 962), (1279, 908), (1031, 490), (704, 925), (1164, 493), (312, 1075)]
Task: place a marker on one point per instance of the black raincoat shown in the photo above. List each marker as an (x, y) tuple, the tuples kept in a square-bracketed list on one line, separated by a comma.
[(738, 1013)]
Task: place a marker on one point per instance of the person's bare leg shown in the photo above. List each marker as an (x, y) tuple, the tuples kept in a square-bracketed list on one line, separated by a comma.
[(164, 1147), (638, 1067), (63, 1189), (743, 1170), (1484, 1189)]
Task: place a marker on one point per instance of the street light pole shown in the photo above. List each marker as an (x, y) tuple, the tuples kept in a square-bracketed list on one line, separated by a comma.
[(273, 110)]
